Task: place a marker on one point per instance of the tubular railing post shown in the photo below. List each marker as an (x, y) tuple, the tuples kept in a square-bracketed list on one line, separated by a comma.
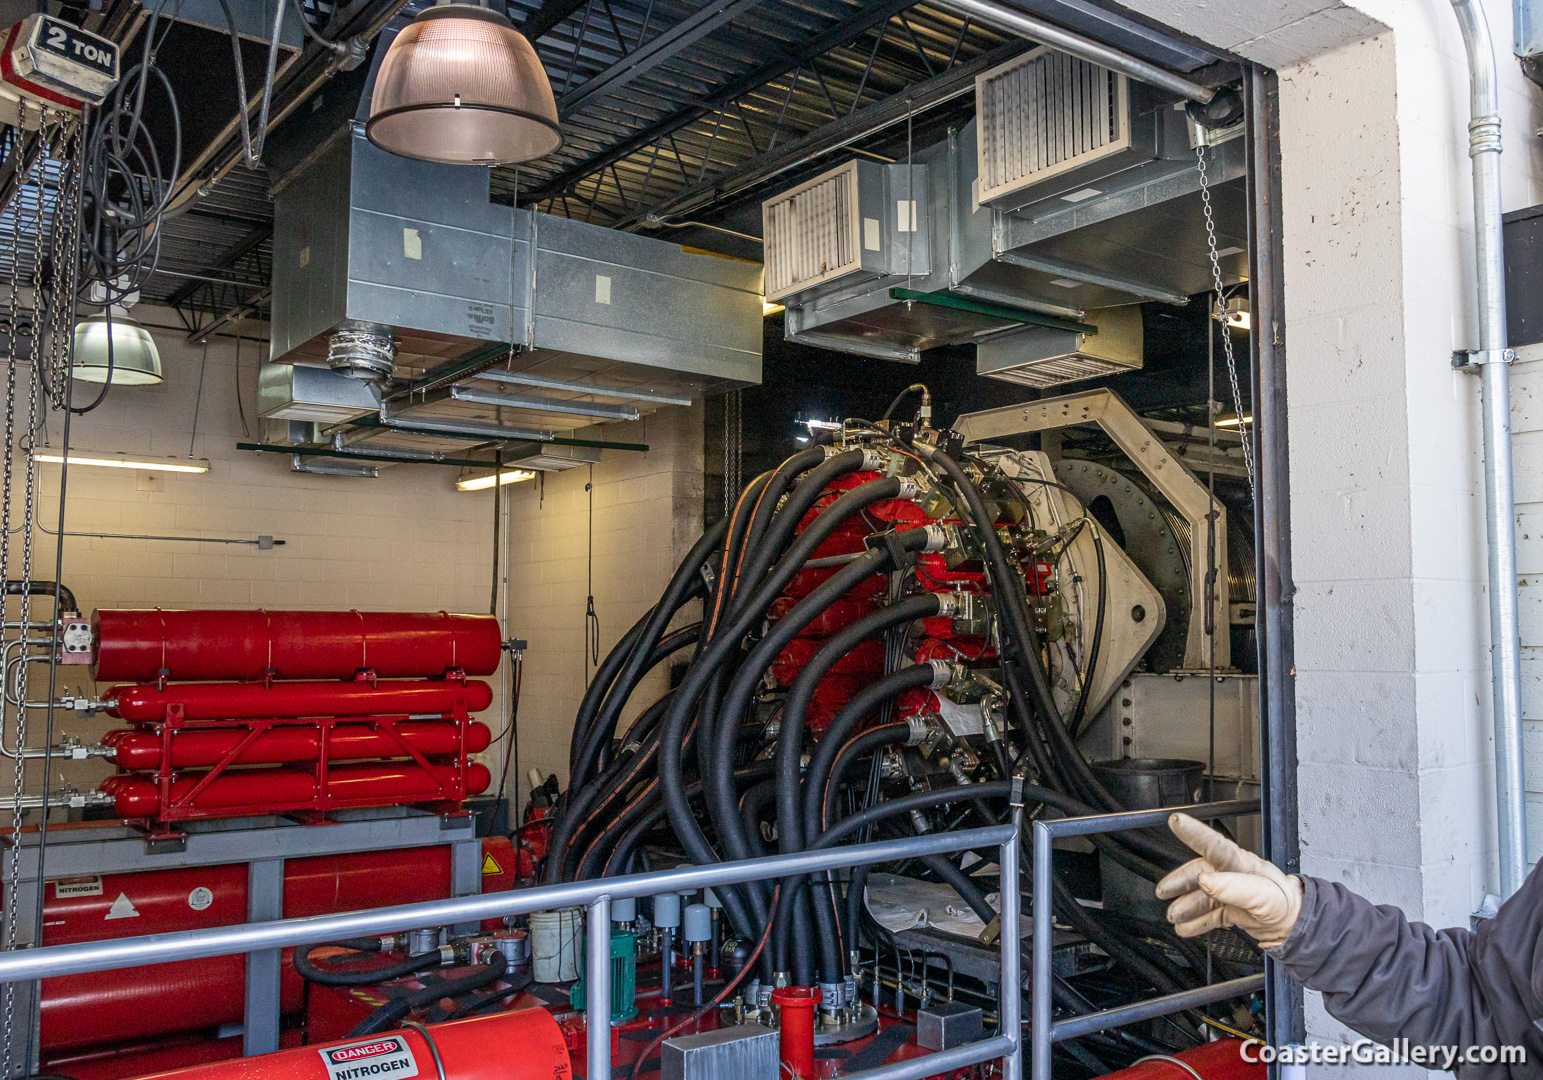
[(1010, 988), (597, 984), (1039, 1029)]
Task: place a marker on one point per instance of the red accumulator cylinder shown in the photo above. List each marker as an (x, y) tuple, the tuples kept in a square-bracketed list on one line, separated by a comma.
[(522, 1045), (147, 703), (144, 645), (796, 1007)]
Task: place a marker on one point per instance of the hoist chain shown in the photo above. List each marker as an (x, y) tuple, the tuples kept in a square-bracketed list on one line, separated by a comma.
[(1220, 314)]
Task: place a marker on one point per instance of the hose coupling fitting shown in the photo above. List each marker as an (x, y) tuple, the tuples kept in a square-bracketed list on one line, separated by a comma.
[(919, 729), (909, 489), (875, 460), (944, 672), (938, 538)]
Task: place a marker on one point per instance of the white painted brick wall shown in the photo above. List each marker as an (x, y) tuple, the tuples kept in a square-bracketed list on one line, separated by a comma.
[(405, 541)]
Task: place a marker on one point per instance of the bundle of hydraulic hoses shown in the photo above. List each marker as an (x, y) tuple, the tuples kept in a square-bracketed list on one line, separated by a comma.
[(681, 762)]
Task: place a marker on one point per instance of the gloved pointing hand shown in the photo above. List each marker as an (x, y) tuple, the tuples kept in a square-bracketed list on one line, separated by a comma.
[(1228, 886)]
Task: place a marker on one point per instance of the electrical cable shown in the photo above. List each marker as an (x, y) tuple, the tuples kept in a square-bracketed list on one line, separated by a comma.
[(323, 974)]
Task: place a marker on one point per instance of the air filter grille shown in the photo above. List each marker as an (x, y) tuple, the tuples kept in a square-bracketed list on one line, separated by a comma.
[(811, 233), (1043, 373), (1043, 114)]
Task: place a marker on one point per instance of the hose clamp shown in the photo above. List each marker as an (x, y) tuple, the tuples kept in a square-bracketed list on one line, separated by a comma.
[(919, 730), (909, 489), (875, 461), (832, 996), (937, 538), (943, 672)]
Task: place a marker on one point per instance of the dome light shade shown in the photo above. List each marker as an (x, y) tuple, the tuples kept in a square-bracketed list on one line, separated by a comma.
[(135, 361), (460, 85)]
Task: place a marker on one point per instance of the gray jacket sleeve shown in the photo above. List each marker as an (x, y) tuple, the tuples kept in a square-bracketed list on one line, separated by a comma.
[(1391, 979)]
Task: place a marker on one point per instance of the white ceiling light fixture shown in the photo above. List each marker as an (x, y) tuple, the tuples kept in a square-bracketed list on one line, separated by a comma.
[(482, 483), (110, 341), (461, 86), (122, 461)]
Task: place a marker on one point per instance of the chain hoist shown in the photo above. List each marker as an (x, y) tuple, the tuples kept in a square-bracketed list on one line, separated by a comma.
[(1220, 311)]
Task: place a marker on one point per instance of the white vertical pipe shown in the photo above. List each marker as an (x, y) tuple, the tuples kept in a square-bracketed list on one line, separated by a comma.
[(1499, 496)]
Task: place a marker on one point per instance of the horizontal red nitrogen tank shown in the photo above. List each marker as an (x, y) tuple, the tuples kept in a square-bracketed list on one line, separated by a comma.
[(142, 645), (254, 790), (254, 701), (524, 1044), (1219, 1060), (116, 1007), (192, 747)]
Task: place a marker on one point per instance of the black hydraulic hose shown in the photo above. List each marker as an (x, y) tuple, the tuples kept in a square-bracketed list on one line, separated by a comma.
[(761, 513), (594, 695), (615, 786), (848, 754), (1020, 630), (398, 1008), (670, 745), (579, 805), (44, 588), (685, 584), (836, 734), (790, 737), (967, 888), (641, 806), (725, 642), (478, 1002), (315, 972), (826, 910), (722, 800), (752, 806), (667, 647), (764, 548)]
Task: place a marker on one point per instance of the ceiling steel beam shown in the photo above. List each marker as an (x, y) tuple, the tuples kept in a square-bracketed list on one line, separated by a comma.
[(647, 57), (227, 258), (547, 17), (842, 33), (541, 403), (522, 379), (953, 83)]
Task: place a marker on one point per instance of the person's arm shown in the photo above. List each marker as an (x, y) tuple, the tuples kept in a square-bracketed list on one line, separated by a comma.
[(1379, 973), (1383, 975)]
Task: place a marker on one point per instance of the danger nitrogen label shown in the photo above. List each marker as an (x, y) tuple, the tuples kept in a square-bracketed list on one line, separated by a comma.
[(387, 1057)]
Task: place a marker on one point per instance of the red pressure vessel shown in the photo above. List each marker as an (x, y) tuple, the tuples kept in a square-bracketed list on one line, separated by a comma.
[(795, 1005), (257, 791), (1219, 1060), (113, 1007), (146, 644), (192, 747), (254, 701), (478, 1048)]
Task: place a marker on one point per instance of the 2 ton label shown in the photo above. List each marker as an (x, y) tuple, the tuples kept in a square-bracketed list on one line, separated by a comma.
[(388, 1057)]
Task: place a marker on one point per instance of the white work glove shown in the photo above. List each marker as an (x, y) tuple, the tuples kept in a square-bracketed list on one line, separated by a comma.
[(1228, 886)]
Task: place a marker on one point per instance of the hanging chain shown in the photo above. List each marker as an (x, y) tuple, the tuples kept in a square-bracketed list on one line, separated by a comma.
[(733, 448), (65, 236), (1220, 314)]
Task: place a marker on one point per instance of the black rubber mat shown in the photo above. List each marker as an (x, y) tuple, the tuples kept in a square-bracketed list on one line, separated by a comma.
[(877, 1052)]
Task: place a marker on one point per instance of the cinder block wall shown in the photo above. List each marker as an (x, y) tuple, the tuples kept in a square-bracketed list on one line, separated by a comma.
[(405, 541), (1394, 729), (647, 512)]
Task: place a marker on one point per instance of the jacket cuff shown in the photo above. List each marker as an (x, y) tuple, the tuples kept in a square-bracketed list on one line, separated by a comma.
[(1302, 932)]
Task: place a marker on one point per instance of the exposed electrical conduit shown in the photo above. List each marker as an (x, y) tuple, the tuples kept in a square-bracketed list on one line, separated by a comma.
[(1044, 33), (1493, 362)]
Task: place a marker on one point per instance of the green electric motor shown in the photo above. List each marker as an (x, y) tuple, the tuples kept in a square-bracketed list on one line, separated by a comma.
[(624, 978)]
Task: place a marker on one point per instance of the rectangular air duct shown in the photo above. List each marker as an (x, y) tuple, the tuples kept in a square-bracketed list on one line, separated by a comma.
[(1040, 356), (847, 227), (617, 323)]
